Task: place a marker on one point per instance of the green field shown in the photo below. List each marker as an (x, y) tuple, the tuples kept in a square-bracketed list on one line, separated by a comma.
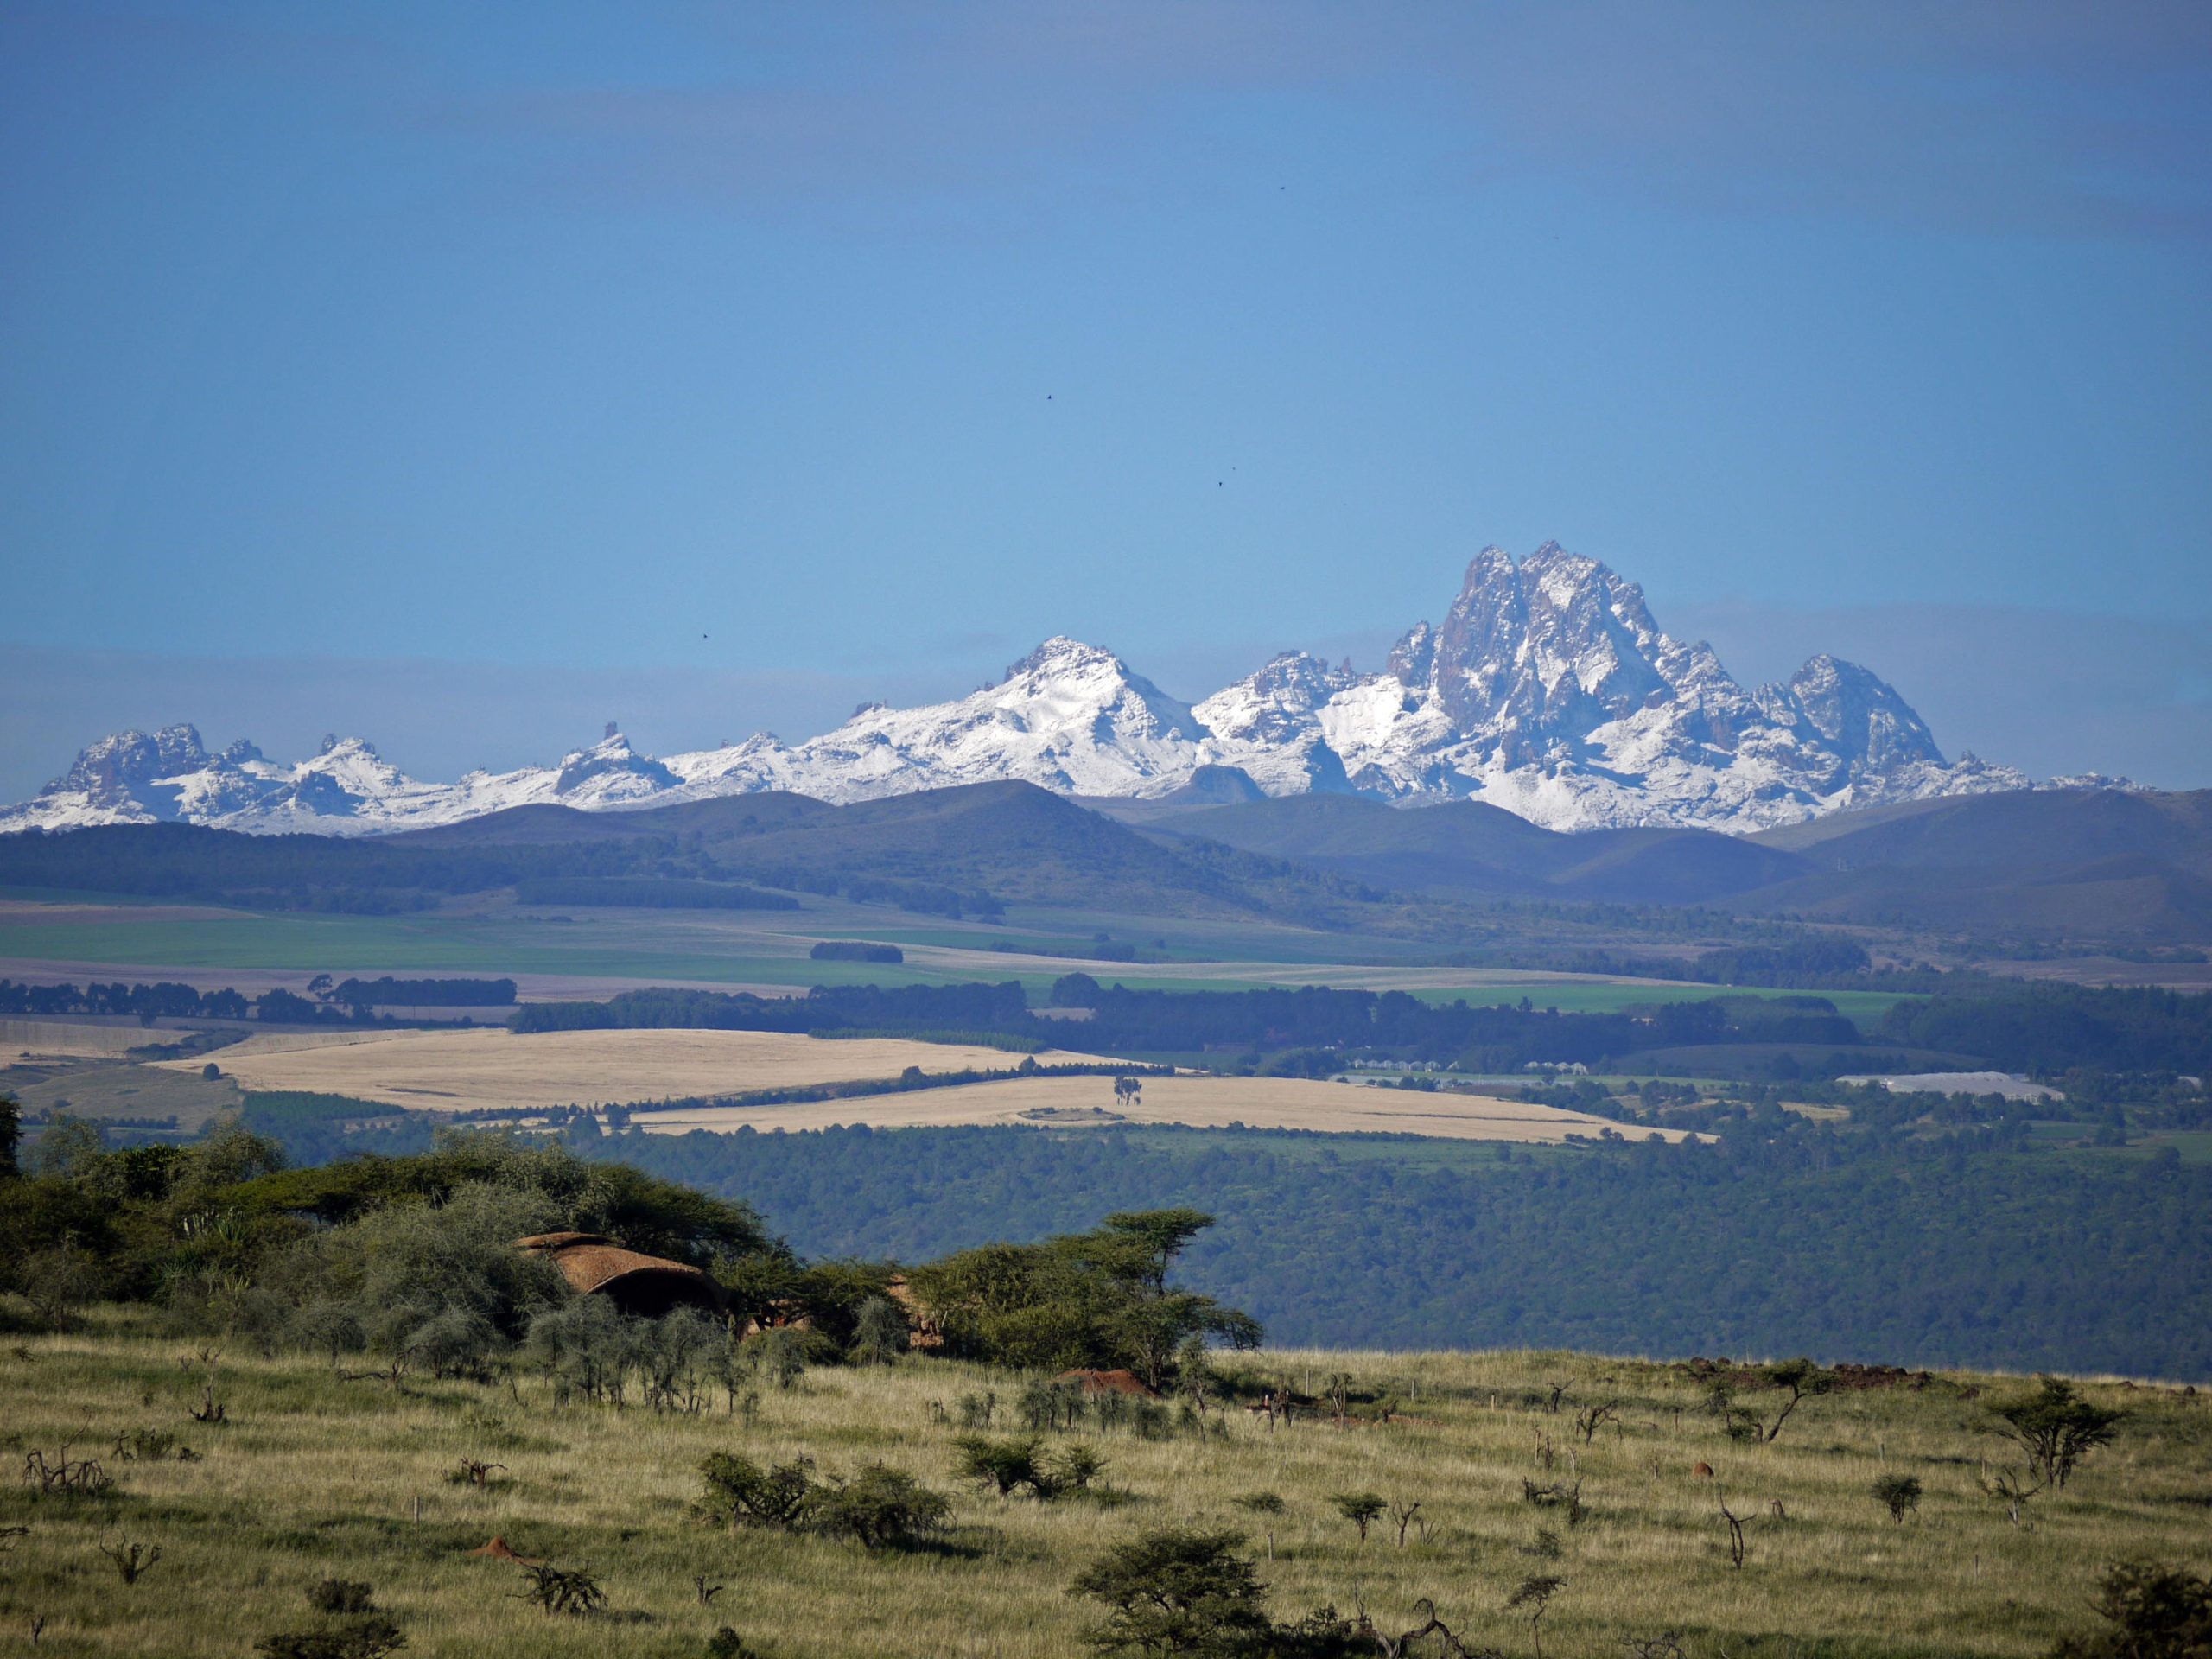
[(311, 1478), (715, 947)]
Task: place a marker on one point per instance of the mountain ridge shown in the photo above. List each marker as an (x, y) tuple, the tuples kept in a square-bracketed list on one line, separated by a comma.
[(1548, 690)]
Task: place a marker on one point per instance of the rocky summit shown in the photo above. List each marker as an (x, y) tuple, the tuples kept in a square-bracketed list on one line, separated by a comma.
[(1547, 690)]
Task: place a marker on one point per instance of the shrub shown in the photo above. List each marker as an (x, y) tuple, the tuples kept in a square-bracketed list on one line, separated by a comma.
[(364, 1638), (352, 1628), (562, 1589), (57, 1283), (2151, 1611), (1076, 1468), (782, 1353), (341, 1596), (739, 1492), (880, 1507), (1001, 1465), (880, 1332), (1896, 1493)]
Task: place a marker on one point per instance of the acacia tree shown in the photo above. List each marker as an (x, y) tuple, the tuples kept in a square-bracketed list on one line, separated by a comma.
[(1535, 1595), (1360, 1508), (1177, 1591), (1163, 1234), (2056, 1428), (1801, 1377)]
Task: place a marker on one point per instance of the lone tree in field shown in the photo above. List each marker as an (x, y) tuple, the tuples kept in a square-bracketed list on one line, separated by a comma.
[(1360, 1508), (1898, 1493), (1534, 1594), (1177, 1591), (2056, 1428), (1801, 1377)]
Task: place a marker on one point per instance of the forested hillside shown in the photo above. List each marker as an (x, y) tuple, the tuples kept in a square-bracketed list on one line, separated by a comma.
[(1783, 1239)]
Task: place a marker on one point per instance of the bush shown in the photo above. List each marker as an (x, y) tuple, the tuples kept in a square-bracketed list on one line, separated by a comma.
[(880, 1507), (2152, 1612), (562, 1589), (1897, 1494), (352, 1628), (881, 1332), (342, 1596), (739, 1492), (1002, 1466), (364, 1638)]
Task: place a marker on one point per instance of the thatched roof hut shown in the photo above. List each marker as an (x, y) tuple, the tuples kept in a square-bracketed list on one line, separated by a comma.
[(645, 1286)]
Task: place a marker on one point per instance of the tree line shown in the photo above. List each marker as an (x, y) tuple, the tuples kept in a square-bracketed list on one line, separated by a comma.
[(350, 999), (2039, 1029)]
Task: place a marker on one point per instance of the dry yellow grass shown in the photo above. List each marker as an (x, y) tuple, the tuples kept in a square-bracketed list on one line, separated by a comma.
[(465, 1070), (1198, 1102), (62, 1040), (314, 1478)]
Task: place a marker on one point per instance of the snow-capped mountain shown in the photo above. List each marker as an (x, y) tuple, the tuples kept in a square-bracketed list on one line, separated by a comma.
[(1547, 690), (1068, 716)]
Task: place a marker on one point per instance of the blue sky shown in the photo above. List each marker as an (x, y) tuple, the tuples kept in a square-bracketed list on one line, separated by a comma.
[(465, 377)]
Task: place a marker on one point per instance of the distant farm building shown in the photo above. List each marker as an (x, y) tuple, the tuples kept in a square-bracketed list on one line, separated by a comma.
[(647, 1287)]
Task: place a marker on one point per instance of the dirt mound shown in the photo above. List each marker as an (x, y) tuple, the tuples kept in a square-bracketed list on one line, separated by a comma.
[(499, 1551)]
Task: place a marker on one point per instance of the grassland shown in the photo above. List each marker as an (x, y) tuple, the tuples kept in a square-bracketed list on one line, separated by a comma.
[(595, 951), (132, 1092), (311, 1476), (34, 1040), (471, 1070), (495, 1070), (1197, 1103)]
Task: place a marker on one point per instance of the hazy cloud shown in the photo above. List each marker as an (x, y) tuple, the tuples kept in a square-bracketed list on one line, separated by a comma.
[(2039, 116)]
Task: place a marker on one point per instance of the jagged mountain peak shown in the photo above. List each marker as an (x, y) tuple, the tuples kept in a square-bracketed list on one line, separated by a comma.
[(1861, 714), (1063, 654), (1548, 689), (1298, 677), (1413, 659)]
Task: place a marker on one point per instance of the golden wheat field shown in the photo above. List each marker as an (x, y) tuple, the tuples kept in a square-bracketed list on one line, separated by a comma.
[(465, 1070), (1198, 1102), (32, 1039), (312, 1477)]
